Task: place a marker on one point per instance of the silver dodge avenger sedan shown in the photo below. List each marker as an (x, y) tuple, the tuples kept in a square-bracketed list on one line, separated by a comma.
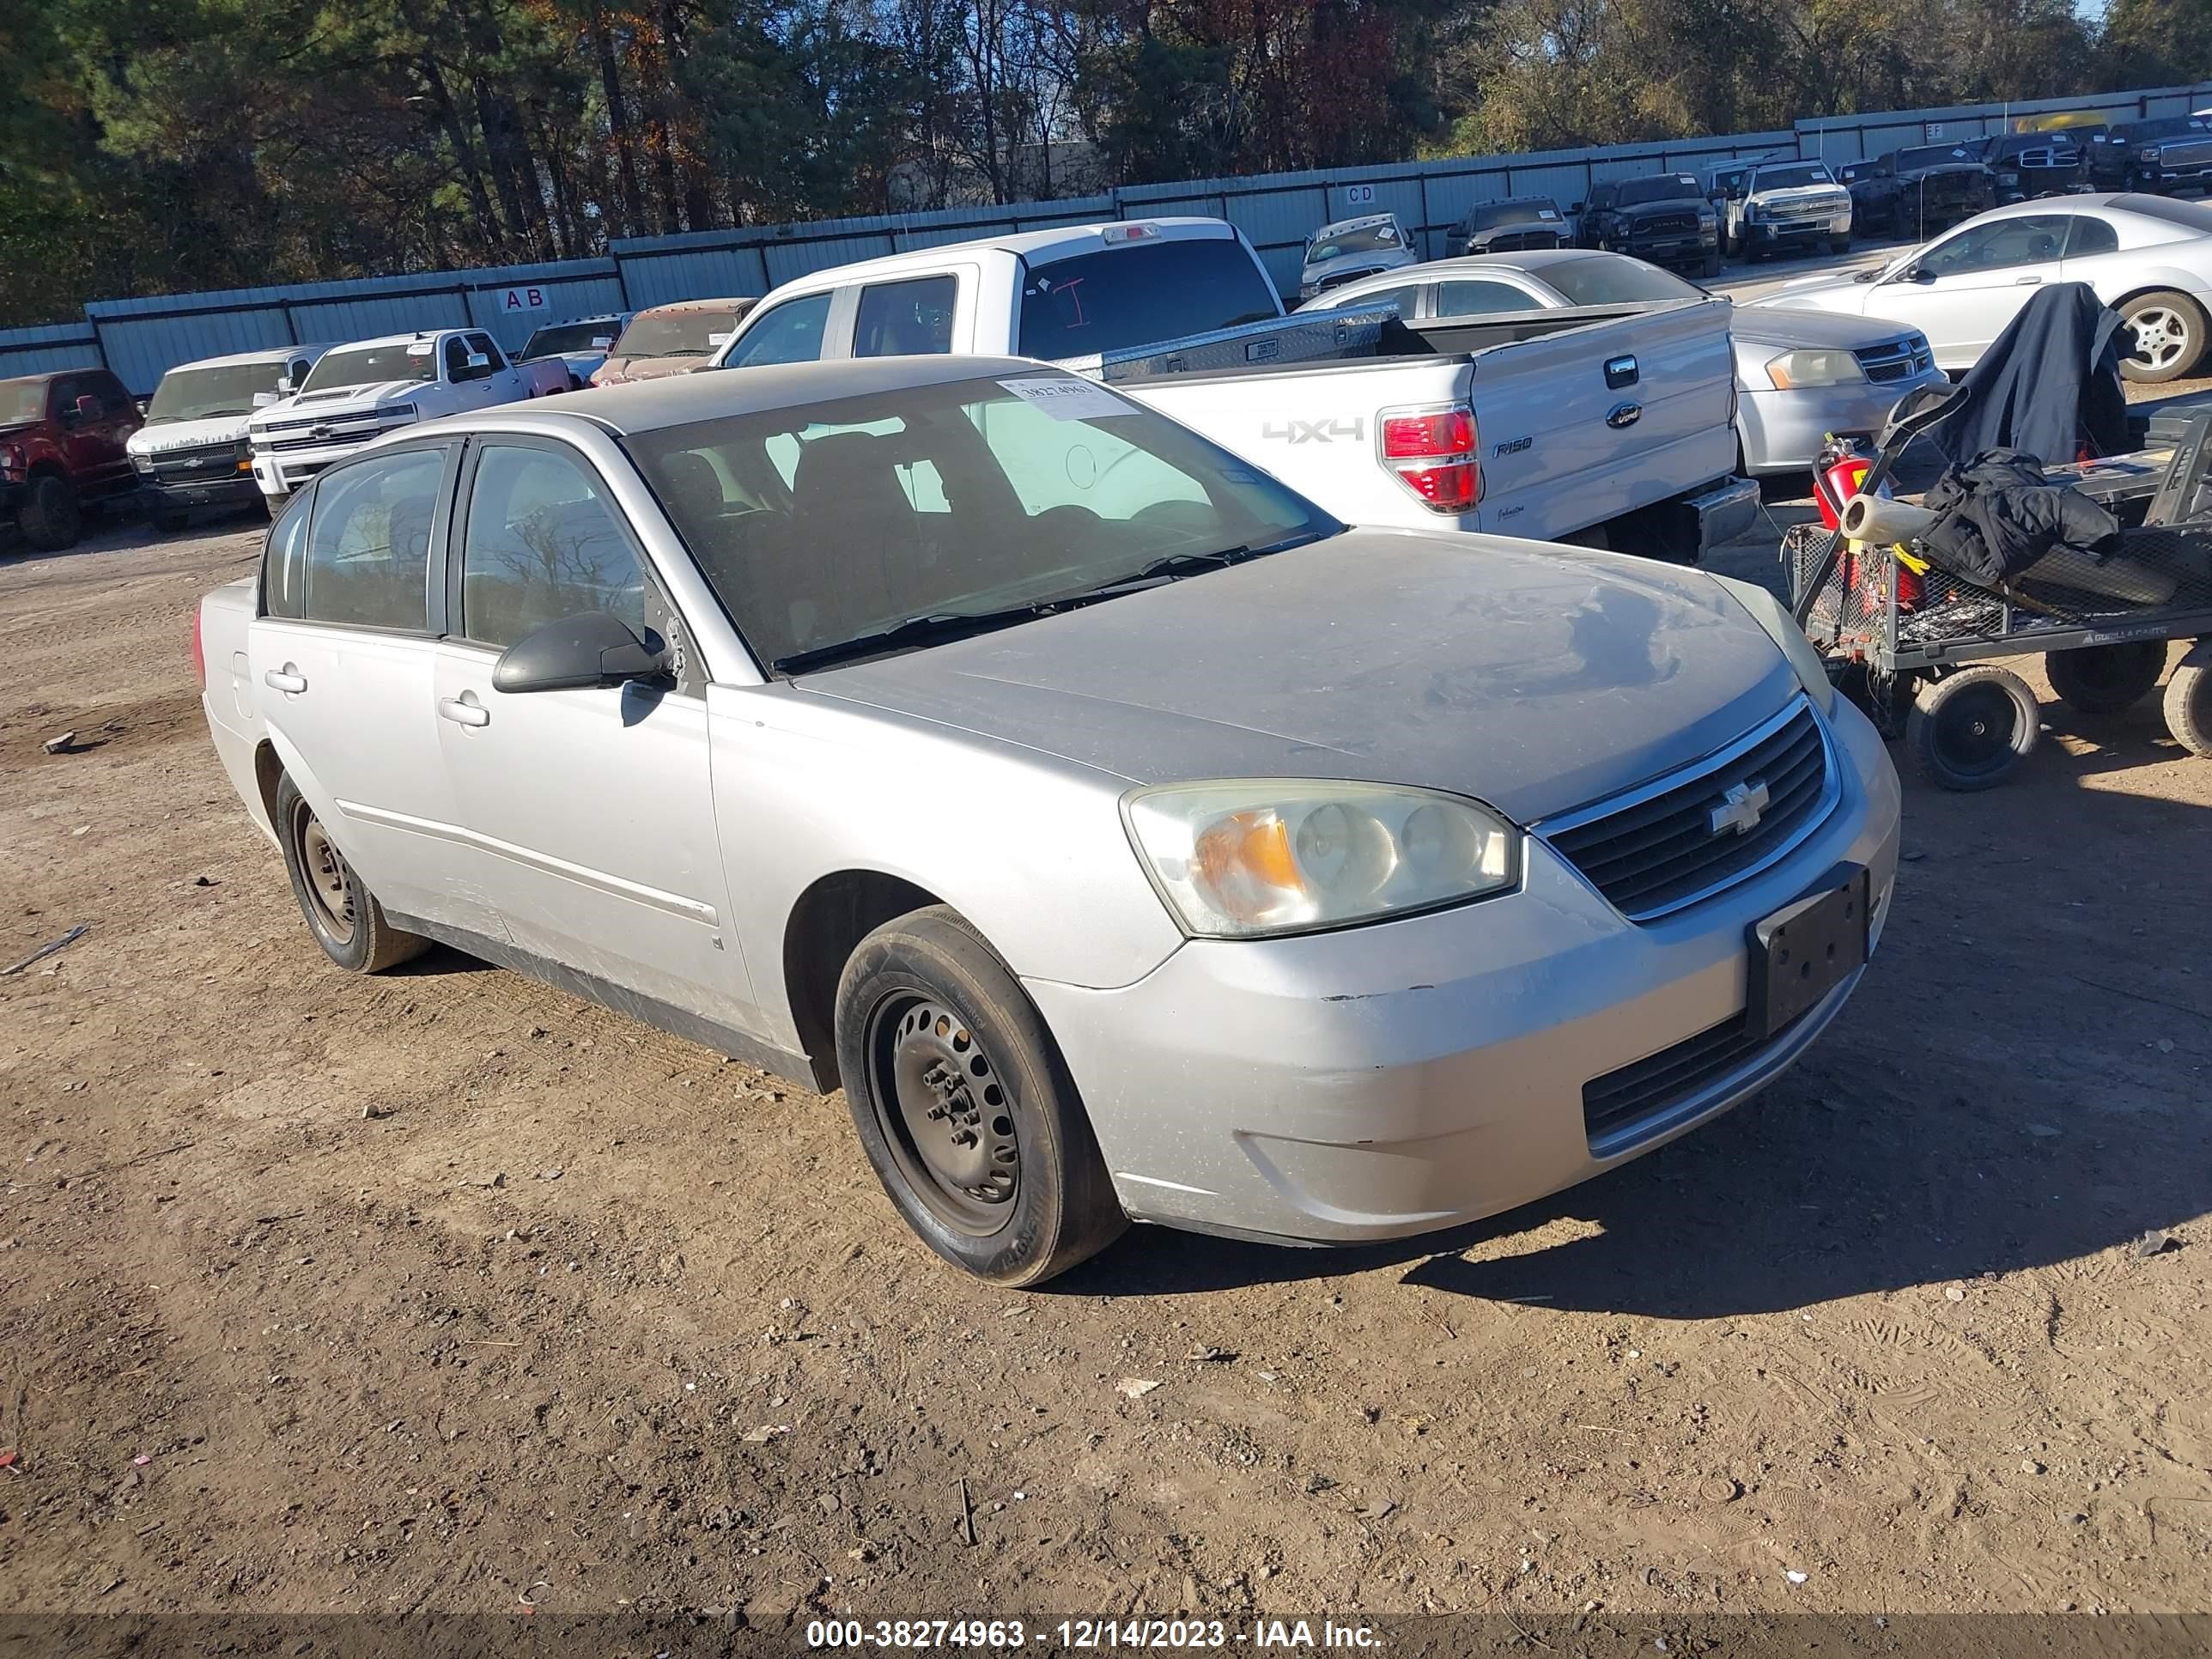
[(1130, 840)]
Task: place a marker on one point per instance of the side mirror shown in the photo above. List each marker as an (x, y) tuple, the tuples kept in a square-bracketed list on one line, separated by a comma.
[(1578, 207), (285, 388), (87, 407), (1920, 274), (587, 650), (476, 359)]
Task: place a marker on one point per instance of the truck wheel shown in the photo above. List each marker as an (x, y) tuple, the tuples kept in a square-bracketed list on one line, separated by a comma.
[(2104, 679), (1969, 730), (50, 517), (342, 914), (2189, 701), (169, 523), (1712, 265), (965, 1107), (2169, 330), (1840, 244)]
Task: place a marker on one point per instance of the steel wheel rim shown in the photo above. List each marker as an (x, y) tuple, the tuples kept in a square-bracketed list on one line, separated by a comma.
[(1975, 735), (329, 877), (2161, 336), (943, 1112)]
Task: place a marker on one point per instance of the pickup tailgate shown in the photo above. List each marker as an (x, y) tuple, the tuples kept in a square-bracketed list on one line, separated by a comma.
[(1577, 427), (226, 690)]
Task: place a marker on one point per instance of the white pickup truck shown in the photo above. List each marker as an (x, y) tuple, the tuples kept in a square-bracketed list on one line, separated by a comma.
[(359, 392), (1601, 424)]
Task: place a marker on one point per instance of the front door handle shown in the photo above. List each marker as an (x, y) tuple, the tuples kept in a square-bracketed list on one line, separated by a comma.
[(465, 710), (2026, 282), (286, 679)]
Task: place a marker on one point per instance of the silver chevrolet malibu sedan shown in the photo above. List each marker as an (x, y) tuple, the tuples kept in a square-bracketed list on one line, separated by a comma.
[(1129, 839)]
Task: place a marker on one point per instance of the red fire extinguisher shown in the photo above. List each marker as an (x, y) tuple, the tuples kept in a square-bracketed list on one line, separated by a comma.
[(1839, 471)]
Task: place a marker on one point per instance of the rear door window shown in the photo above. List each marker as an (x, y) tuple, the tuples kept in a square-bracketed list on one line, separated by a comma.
[(369, 545), (284, 561), (1468, 299), (2086, 236), (906, 319), (1136, 294)]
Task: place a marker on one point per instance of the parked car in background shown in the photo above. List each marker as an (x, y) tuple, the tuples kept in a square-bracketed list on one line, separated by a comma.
[(363, 390), (195, 451), (583, 345), (1800, 375), (669, 339), (1921, 189), (2024, 165), (2159, 156), (1775, 206), (1302, 882), (2149, 257), (63, 446), (1665, 219), (1608, 420), (1352, 248), (1511, 224)]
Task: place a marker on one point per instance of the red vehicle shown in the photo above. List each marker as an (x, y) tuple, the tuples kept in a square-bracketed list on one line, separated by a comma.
[(63, 439)]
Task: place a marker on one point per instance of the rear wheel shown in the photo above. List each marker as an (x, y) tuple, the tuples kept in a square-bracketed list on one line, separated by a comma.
[(965, 1107), (341, 912), (2104, 679), (50, 517), (1970, 730), (2189, 701), (2169, 337)]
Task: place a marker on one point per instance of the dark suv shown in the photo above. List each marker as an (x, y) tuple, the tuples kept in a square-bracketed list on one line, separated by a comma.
[(1665, 219), (2161, 156), (62, 444), (1511, 226), (2025, 165), (1921, 189)]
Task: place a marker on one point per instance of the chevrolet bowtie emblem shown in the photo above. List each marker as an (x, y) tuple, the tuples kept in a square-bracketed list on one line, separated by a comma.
[(1741, 808)]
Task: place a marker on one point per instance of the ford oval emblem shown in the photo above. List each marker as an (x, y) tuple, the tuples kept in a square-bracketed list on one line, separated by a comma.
[(1625, 415)]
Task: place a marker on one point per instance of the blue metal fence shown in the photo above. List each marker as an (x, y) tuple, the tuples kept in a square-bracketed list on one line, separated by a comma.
[(141, 338)]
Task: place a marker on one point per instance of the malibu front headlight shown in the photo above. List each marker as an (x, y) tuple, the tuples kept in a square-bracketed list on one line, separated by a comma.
[(1781, 627), (1251, 858), (1798, 371)]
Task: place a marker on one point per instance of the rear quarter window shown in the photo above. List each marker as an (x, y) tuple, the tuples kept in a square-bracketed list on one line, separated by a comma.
[(1138, 294)]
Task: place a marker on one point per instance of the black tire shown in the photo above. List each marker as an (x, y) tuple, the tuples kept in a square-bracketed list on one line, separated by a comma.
[(1970, 729), (2171, 336), (1712, 265), (1840, 244), (2104, 679), (936, 1041), (341, 912), (2189, 701), (50, 517), (169, 522)]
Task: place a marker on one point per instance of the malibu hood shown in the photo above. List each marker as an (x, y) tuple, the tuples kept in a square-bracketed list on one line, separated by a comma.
[(1531, 677)]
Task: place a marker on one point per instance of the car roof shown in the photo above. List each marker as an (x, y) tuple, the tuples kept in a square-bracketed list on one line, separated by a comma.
[(596, 316), (679, 307), (244, 359), (710, 394)]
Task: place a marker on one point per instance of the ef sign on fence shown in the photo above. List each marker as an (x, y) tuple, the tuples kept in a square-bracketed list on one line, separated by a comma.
[(513, 301)]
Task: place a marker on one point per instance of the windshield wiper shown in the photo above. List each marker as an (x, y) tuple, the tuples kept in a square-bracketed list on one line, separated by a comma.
[(914, 630)]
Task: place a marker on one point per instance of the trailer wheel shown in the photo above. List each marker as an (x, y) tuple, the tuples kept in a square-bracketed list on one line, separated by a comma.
[(1970, 729), (2104, 679), (2189, 701)]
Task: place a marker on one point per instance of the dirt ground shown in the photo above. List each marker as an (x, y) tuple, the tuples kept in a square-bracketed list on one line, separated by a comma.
[(446, 1292)]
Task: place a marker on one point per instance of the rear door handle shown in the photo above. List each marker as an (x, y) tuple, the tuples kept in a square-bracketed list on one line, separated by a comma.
[(286, 679), (465, 710), (2026, 282)]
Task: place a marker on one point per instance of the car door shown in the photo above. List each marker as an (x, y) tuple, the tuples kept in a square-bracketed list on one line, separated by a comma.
[(340, 660), (1963, 289), (588, 812), (478, 371), (792, 332)]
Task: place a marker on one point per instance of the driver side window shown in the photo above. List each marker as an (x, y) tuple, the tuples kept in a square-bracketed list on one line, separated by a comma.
[(2000, 244)]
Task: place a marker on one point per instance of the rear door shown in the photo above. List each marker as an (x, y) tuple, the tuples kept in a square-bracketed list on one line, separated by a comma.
[(339, 663), (588, 814)]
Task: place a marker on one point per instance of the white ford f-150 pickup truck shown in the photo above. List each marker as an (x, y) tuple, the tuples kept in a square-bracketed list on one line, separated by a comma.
[(1541, 424), (363, 391)]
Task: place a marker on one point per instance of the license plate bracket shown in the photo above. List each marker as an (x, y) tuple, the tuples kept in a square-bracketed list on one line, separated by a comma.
[(1804, 949)]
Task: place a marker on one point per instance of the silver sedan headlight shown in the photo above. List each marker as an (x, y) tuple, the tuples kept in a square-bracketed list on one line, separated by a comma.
[(1249, 857), (1802, 370)]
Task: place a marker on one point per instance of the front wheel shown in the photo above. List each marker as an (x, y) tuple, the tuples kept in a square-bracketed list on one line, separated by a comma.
[(1970, 730), (1840, 244), (341, 912), (50, 517), (2169, 337), (1712, 265), (965, 1107)]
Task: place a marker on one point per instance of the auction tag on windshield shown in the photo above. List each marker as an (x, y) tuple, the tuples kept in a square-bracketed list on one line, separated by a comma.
[(1068, 400), (1546, 213), (421, 347)]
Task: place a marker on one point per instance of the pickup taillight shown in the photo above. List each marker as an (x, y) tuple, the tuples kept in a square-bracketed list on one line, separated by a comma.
[(199, 651), (1432, 453)]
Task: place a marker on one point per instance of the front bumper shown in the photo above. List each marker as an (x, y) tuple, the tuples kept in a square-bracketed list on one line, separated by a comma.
[(1795, 233), (1674, 249), (278, 474), (235, 489), (1783, 431), (1392, 1080)]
